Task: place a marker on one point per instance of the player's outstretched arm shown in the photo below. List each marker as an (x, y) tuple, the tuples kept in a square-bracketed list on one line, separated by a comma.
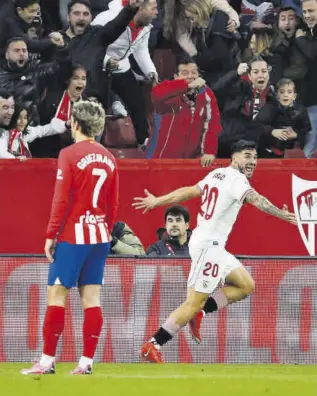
[(150, 201), (266, 206)]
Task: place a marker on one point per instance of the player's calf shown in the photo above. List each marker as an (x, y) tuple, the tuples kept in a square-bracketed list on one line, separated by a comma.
[(221, 298), (175, 322), (92, 326)]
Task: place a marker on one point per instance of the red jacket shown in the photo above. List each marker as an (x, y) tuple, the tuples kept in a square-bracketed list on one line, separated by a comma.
[(182, 131)]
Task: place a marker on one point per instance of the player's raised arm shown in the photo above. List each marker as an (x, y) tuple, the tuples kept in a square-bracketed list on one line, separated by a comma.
[(266, 206), (181, 194)]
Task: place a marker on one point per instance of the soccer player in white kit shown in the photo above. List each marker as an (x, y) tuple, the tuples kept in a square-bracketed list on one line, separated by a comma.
[(223, 192)]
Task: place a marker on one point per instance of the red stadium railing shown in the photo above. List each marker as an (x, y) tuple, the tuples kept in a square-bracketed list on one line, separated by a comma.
[(277, 324)]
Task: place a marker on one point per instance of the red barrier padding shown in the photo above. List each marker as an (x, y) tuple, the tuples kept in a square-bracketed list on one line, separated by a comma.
[(26, 191)]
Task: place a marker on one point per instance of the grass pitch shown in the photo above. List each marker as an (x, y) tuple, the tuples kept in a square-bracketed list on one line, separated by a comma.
[(163, 380)]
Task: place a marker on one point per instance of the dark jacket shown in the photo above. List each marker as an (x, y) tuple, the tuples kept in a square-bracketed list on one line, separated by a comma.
[(276, 55), (294, 66), (273, 59), (217, 48), (307, 47), (275, 116), (29, 82), (166, 246), (89, 48), (237, 116), (14, 26)]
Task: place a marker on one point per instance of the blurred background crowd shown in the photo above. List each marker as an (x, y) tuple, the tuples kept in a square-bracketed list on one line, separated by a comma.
[(177, 78)]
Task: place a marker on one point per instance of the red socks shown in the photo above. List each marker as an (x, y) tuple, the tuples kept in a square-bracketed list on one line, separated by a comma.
[(53, 328), (91, 330)]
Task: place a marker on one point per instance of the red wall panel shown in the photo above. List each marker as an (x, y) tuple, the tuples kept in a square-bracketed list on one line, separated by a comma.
[(26, 191)]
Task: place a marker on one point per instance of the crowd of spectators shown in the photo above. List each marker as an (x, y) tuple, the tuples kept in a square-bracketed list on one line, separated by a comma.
[(241, 69)]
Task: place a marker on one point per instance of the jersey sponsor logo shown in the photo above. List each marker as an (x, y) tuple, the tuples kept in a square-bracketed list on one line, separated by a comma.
[(89, 218), (219, 176), (59, 175), (304, 194)]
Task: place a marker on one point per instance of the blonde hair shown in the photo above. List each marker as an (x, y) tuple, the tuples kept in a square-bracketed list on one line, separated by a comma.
[(263, 43), (90, 116), (200, 8)]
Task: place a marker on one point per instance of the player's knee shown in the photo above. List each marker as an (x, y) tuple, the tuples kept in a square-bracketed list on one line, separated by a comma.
[(90, 296), (194, 306), (57, 295), (90, 301)]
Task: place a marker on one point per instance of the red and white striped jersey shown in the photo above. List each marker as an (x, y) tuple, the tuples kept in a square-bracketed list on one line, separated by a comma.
[(223, 193), (85, 199)]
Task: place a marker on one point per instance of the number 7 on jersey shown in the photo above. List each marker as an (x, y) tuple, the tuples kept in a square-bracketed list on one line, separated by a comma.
[(102, 178)]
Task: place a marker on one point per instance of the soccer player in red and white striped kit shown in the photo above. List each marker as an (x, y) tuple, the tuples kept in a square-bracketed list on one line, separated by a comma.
[(78, 235)]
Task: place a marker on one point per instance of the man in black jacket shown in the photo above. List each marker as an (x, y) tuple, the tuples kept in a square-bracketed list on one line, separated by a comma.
[(174, 238), (88, 44), (284, 43), (27, 78)]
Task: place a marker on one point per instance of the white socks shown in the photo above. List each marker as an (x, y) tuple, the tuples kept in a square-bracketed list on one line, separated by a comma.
[(46, 360), (85, 361)]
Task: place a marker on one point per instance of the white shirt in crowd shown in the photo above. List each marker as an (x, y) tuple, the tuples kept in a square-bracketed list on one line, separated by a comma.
[(56, 126), (124, 46)]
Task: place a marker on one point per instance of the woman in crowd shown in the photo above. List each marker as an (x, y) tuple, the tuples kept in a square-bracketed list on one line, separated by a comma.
[(260, 44), (15, 143), (205, 30), (58, 103)]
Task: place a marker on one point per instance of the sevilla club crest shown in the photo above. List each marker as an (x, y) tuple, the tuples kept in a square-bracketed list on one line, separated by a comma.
[(305, 206)]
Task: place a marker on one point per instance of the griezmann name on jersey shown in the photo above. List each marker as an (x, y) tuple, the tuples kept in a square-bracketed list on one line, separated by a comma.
[(85, 199)]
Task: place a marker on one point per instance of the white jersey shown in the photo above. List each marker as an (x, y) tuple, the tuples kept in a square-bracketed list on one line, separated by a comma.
[(223, 193)]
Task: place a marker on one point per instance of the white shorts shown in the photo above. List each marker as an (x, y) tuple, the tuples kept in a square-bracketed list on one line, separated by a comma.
[(210, 266)]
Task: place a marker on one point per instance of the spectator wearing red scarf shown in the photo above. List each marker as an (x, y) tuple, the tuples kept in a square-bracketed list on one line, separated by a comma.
[(244, 93)]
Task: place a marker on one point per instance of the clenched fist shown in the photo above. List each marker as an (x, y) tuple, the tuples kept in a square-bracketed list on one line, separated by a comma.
[(196, 84), (242, 68)]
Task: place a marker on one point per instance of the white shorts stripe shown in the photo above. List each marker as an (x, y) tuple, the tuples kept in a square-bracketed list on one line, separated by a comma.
[(92, 233), (103, 233), (79, 234)]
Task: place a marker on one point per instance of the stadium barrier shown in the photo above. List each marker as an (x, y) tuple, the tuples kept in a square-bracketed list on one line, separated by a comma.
[(277, 324), (27, 190)]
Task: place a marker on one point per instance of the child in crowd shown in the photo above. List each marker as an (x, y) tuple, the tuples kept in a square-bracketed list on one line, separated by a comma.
[(286, 122)]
